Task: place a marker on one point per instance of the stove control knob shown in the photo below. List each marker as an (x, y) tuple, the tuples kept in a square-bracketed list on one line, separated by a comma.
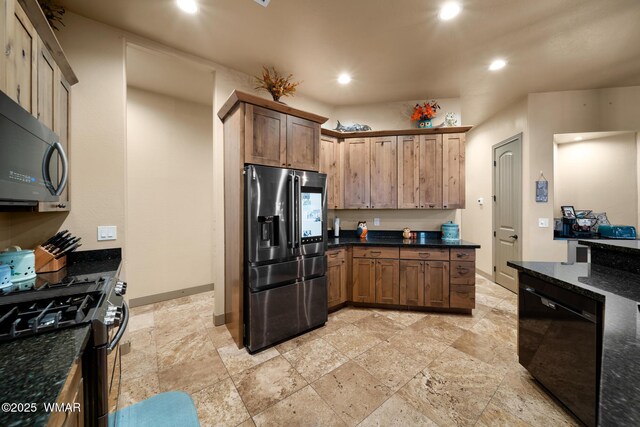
[(120, 288)]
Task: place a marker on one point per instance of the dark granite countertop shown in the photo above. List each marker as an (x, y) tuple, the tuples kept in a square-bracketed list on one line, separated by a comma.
[(394, 239), (620, 292), (626, 246), (34, 369)]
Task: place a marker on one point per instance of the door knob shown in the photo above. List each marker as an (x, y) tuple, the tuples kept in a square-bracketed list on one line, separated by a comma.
[(514, 237)]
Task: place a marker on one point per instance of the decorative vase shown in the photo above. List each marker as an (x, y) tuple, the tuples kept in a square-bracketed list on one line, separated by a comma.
[(425, 124), (362, 230)]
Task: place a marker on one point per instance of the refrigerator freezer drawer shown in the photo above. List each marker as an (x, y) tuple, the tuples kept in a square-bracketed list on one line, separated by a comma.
[(281, 313), (268, 276)]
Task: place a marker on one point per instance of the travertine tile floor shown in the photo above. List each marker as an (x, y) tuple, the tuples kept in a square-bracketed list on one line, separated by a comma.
[(365, 367)]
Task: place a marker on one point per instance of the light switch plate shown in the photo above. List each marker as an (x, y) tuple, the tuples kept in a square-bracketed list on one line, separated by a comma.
[(543, 222), (107, 232), (376, 221)]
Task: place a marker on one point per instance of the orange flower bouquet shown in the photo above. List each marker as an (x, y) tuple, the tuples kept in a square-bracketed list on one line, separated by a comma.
[(275, 83), (424, 112)]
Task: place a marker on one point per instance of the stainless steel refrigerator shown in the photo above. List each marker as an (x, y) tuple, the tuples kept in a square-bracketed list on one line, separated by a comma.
[(285, 263)]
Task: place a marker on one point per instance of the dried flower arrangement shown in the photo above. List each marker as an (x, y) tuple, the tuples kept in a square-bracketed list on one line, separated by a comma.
[(276, 84), (426, 111), (52, 12)]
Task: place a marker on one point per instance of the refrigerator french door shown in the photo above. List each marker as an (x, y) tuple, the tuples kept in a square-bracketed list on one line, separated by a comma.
[(285, 262)]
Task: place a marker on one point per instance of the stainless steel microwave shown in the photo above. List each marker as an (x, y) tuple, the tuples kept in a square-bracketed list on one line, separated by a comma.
[(33, 164)]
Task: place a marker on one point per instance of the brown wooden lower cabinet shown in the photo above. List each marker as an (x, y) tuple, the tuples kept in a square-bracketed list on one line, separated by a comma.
[(436, 284), (463, 296), (387, 281), (337, 278), (364, 280), (424, 283)]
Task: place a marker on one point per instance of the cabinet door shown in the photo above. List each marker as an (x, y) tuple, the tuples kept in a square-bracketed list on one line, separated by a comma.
[(265, 136), (364, 280), (453, 171), (21, 49), (330, 163), (431, 171), (408, 172), (387, 281), (436, 283), (337, 277), (357, 190), (384, 173), (46, 83), (303, 144), (4, 30), (412, 283)]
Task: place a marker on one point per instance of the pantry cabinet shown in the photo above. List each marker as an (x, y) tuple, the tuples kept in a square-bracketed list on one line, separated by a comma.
[(331, 159), (357, 173), (384, 173)]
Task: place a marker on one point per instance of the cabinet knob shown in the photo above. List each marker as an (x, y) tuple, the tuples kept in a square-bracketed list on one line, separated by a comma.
[(422, 206), (433, 206), (289, 164), (62, 205)]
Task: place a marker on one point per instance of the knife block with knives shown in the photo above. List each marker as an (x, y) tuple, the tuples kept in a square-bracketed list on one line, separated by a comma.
[(52, 254), (46, 262)]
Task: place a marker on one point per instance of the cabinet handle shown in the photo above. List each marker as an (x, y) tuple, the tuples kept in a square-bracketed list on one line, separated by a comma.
[(333, 255), (463, 270), (424, 254), (289, 164), (462, 255), (375, 252), (433, 206)]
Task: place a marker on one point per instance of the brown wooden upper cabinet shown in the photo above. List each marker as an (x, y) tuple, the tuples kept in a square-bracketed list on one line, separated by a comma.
[(453, 171), (21, 46), (277, 139), (384, 173), (420, 172), (357, 173), (331, 159), (46, 86), (409, 172)]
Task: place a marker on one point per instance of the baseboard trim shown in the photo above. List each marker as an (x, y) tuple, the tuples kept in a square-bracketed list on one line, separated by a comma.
[(165, 296), (484, 274), (219, 320)]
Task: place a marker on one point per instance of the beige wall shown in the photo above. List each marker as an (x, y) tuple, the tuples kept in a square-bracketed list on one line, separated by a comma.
[(390, 115), (599, 174), (477, 220), (169, 193), (417, 220)]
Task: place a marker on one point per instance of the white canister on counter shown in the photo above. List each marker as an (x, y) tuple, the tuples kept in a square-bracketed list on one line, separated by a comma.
[(336, 227)]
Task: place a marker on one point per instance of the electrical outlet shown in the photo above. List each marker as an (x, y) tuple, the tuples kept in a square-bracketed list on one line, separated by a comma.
[(543, 222), (376, 221), (107, 232), (263, 3)]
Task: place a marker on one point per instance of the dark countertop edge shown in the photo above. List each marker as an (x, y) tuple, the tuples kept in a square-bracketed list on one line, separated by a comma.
[(331, 243), (562, 283), (618, 341), (612, 245)]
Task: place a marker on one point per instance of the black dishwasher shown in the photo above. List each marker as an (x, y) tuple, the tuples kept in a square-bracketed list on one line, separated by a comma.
[(559, 343)]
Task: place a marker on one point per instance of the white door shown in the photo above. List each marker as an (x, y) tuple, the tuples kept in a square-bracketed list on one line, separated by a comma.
[(507, 218)]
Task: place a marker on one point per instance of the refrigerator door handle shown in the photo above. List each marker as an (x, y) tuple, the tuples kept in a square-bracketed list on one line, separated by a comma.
[(291, 224), (298, 213)]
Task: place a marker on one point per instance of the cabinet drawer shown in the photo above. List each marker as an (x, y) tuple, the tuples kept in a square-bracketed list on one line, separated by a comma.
[(376, 252), (463, 273), (426, 254), (334, 254), (463, 254), (462, 296)]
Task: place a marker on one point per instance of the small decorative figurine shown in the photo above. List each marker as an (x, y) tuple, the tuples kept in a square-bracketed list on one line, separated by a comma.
[(356, 127), (450, 120), (406, 233), (362, 230)]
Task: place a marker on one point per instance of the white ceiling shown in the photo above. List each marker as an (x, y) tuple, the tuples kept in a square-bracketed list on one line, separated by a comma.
[(399, 50), (168, 75)]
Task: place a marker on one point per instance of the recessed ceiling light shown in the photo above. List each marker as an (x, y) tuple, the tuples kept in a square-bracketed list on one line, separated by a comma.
[(344, 79), (189, 6), (449, 11), (497, 64), (577, 138)]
